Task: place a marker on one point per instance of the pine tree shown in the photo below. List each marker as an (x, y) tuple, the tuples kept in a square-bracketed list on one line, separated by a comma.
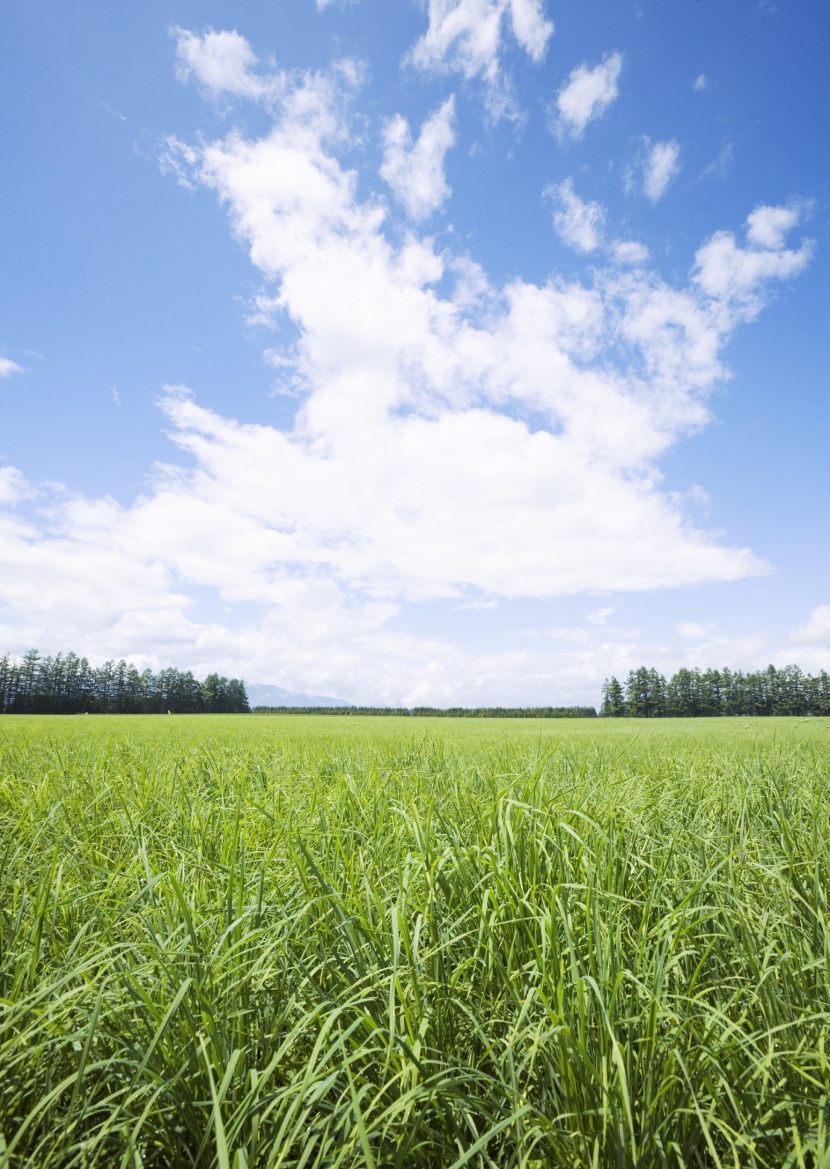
[(613, 699)]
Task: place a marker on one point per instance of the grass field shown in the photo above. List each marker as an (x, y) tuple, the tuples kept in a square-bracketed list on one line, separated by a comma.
[(284, 941)]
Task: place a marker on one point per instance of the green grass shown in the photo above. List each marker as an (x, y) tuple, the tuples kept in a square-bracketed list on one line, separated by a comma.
[(241, 941)]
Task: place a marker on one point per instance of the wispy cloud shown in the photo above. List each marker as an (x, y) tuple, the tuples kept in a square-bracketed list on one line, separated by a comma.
[(655, 168), (113, 112), (721, 166), (577, 223), (629, 251), (697, 630), (467, 37)]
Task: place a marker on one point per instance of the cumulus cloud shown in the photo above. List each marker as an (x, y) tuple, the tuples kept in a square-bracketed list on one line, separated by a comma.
[(808, 643), (736, 277), (578, 224), (656, 166), (13, 487), (416, 173), (586, 95), (816, 631), (466, 36), (767, 227), (9, 368), (222, 63), (456, 440)]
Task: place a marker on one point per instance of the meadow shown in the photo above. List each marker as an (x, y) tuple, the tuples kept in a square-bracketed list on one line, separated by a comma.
[(231, 941)]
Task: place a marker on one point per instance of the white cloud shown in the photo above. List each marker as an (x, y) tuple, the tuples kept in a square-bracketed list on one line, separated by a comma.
[(768, 226), (720, 167), (735, 276), (662, 166), (13, 487), (450, 446), (696, 630), (816, 631), (416, 173), (600, 616), (629, 251), (224, 65), (700, 83), (530, 26), (9, 368), (586, 95), (113, 112), (808, 644), (466, 36), (656, 166), (222, 62), (578, 224)]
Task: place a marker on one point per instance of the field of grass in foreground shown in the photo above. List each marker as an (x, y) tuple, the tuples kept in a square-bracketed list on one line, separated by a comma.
[(242, 941)]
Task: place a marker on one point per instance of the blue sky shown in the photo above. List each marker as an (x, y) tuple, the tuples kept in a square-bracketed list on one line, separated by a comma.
[(456, 351)]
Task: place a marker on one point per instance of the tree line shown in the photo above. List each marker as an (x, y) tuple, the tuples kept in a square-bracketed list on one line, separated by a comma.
[(67, 684), (440, 712), (709, 693)]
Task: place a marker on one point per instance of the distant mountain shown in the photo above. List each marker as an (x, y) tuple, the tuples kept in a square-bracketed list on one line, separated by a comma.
[(259, 695)]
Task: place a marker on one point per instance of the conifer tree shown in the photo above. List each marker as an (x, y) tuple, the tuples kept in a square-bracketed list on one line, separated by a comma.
[(613, 699)]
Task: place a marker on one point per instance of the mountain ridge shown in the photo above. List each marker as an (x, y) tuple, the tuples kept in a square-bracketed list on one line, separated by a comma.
[(262, 694)]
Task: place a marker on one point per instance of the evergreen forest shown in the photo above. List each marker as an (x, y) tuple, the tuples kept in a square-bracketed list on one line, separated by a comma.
[(710, 693), (67, 684), (439, 711)]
